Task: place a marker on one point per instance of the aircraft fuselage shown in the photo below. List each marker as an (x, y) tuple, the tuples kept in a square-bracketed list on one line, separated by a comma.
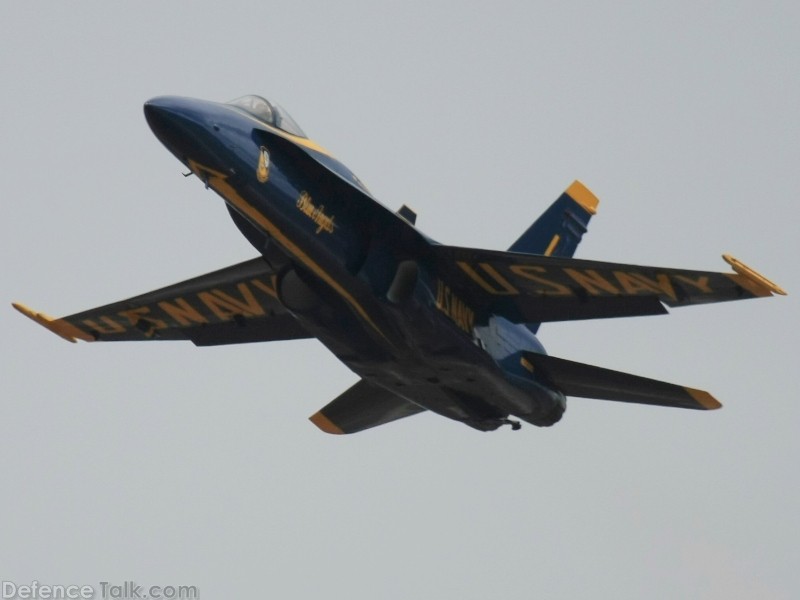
[(355, 274)]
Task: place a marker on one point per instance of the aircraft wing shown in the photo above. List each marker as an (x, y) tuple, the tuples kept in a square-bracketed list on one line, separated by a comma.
[(536, 288), (233, 305)]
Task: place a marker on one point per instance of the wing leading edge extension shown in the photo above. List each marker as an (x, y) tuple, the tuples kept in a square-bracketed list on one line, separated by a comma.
[(535, 288), (233, 305)]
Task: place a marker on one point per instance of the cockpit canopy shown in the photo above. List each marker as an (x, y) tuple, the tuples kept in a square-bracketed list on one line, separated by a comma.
[(270, 113)]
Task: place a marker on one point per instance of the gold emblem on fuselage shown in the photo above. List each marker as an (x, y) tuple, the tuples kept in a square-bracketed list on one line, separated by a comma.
[(262, 171), (317, 214)]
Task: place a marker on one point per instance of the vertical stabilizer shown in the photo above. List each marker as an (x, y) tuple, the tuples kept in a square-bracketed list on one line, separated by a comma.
[(560, 228)]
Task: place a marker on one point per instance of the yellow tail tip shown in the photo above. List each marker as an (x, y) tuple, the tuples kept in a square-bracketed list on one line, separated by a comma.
[(583, 196)]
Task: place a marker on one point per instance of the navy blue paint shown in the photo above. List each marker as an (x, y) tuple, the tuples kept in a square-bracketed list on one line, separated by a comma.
[(412, 348)]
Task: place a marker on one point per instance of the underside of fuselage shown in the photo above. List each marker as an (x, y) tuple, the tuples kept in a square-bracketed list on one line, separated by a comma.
[(430, 362), (339, 291)]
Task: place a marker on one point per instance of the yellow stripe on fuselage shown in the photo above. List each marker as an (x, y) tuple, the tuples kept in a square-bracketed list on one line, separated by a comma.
[(217, 181)]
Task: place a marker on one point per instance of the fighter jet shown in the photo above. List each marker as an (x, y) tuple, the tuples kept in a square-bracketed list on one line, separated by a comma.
[(424, 325)]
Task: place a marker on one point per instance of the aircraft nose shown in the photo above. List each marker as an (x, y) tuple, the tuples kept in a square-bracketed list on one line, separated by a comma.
[(184, 126), (164, 114)]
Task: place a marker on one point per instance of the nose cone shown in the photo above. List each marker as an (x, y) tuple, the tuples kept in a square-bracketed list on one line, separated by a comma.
[(167, 117), (185, 126), (156, 109)]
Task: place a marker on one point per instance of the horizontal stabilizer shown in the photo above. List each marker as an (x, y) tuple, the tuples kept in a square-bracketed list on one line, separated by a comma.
[(587, 381), (362, 406)]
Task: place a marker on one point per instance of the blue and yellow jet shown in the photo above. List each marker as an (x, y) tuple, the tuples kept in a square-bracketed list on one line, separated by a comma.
[(425, 326)]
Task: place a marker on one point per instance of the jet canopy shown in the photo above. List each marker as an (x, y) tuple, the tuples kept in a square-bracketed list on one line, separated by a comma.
[(272, 114)]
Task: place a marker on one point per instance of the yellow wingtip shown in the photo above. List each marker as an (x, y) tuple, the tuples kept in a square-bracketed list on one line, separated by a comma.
[(60, 327), (753, 276), (583, 196)]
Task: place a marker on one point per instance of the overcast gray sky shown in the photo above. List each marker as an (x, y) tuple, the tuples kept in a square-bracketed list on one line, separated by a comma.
[(169, 464)]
